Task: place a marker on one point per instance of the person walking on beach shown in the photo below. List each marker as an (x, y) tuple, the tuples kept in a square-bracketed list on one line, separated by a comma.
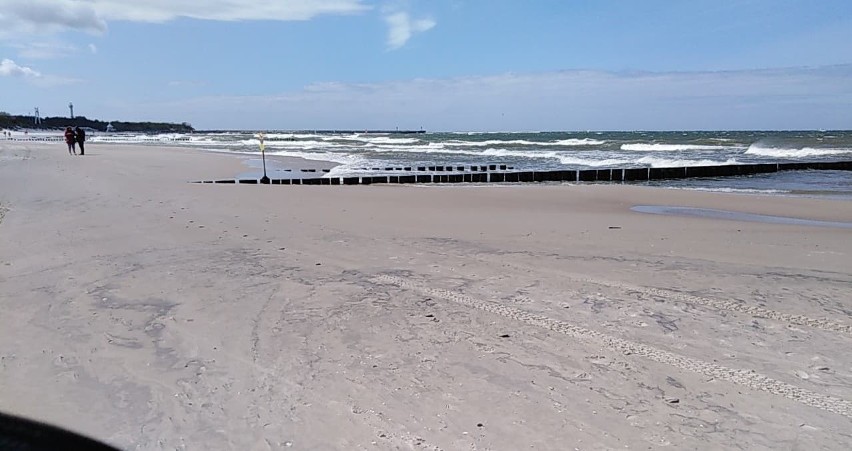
[(70, 139), (81, 138)]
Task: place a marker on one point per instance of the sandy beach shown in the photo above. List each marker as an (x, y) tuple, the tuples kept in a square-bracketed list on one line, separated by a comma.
[(153, 313)]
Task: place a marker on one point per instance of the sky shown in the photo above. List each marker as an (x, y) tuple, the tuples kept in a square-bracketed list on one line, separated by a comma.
[(438, 65)]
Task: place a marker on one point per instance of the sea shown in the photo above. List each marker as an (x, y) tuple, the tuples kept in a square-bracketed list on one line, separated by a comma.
[(358, 153)]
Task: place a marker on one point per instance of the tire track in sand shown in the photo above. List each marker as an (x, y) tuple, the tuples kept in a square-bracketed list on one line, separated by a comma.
[(747, 378), (758, 312), (716, 304)]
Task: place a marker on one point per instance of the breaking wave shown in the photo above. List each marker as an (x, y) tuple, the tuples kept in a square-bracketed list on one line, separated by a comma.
[(642, 147), (655, 162), (522, 142), (780, 152)]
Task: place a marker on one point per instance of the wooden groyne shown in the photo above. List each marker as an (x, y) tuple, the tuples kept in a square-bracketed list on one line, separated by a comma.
[(494, 173), (37, 139)]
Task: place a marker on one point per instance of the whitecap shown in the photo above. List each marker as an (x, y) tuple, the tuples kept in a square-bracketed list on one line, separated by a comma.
[(656, 162), (654, 147), (779, 152)]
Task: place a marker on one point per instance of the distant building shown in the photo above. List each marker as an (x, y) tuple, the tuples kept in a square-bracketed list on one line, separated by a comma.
[(110, 128)]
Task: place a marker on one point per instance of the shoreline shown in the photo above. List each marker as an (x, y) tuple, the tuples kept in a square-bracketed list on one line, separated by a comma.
[(660, 155), (149, 312)]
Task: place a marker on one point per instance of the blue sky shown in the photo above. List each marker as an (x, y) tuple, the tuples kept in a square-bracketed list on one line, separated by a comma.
[(491, 65)]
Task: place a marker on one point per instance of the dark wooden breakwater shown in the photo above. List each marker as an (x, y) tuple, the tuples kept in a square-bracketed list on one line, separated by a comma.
[(494, 173)]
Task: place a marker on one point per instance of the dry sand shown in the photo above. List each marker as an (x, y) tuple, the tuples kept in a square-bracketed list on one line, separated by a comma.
[(156, 314)]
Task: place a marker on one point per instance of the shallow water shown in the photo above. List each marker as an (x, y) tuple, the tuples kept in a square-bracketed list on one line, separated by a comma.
[(822, 184), (737, 216)]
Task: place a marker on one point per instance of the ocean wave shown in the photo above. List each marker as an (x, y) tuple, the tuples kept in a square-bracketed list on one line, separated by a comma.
[(524, 142), (278, 136), (574, 161), (306, 145), (438, 149), (359, 167), (496, 132), (656, 162), (373, 139), (496, 152), (654, 147), (564, 157), (139, 139), (780, 152), (424, 148), (342, 158), (579, 142), (732, 190)]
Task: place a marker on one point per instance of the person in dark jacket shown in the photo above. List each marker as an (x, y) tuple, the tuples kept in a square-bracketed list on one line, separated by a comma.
[(81, 138), (70, 139)]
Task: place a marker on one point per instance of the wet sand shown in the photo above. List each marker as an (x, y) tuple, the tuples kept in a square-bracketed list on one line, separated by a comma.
[(152, 313), (737, 216)]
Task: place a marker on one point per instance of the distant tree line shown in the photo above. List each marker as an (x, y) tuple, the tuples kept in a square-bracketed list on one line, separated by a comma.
[(13, 122)]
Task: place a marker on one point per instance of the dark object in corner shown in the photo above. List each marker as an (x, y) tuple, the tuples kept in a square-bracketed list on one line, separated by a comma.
[(20, 434)]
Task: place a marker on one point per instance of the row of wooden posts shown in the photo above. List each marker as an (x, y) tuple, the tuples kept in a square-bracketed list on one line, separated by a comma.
[(506, 174)]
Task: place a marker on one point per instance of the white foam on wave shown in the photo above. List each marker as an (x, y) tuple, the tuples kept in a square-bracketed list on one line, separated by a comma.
[(203, 139), (28, 133), (139, 138), (424, 148), (654, 147), (580, 142), (732, 190), (374, 139), (388, 140), (570, 160), (278, 136), (342, 158), (656, 162), (564, 157), (286, 144), (348, 163), (438, 148), (779, 152), (360, 167), (524, 142), (496, 152), (497, 132)]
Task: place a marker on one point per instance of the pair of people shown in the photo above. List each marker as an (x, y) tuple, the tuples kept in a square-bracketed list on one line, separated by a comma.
[(73, 137)]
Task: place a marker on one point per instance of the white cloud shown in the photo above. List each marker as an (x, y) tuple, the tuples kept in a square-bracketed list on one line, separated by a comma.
[(9, 68), (23, 20), (401, 28), (187, 83), (52, 81), (39, 17), (45, 50), (225, 10), (42, 16)]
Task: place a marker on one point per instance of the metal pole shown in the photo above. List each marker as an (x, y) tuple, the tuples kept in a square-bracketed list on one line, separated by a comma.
[(264, 180)]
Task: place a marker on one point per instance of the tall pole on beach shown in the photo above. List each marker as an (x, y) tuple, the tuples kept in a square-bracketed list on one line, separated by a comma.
[(264, 179)]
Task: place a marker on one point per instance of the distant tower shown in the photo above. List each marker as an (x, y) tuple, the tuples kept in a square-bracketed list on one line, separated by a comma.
[(71, 107), (36, 117)]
